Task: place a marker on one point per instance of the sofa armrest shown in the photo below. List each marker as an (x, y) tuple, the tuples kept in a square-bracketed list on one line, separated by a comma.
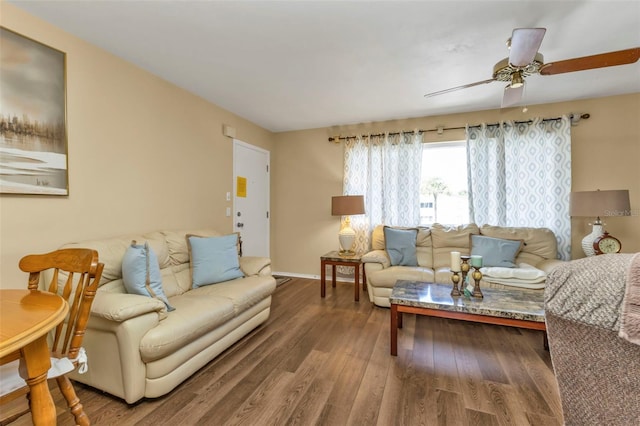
[(120, 307), (548, 265), (377, 256), (115, 348), (254, 265)]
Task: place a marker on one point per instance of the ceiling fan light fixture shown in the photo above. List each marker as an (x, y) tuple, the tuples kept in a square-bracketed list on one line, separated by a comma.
[(516, 80), (524, 60)]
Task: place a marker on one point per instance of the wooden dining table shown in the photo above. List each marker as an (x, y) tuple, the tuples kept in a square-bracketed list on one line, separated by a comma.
[(26, 316)]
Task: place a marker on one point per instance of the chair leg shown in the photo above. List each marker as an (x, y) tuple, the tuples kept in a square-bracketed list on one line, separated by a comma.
[(72, 401)]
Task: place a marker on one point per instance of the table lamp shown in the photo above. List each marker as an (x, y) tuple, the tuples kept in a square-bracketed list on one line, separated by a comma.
[(347, 205), (598, 204)]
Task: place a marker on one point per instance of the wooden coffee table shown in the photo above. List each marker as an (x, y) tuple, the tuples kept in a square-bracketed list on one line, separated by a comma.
[(509, 306)]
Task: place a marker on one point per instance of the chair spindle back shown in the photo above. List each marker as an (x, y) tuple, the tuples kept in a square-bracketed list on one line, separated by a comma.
[(83, 272)]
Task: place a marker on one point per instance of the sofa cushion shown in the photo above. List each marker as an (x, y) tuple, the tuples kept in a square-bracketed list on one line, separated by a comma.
[(141, 272), (446, 239), (204, 309), (112, 250), (213, 259), (377, 238), (401, 246), (495, 251), (178, 250), (539, 243), (424, 247), (195, 315), (243, 293)]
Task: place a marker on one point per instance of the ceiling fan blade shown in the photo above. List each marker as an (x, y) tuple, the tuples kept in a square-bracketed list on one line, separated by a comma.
[(453, 89), (610, 59), (512, 95), (525, 43)]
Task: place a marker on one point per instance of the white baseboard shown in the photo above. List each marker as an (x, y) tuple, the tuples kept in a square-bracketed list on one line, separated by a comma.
[(295, 275), (311, 277)]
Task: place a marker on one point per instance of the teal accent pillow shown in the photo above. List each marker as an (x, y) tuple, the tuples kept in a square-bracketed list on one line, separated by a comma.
[(496, 251), (141, 273), (213, 259), (401, 246)]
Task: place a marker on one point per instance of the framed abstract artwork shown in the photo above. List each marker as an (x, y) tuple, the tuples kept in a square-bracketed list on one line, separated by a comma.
[(33, 118)]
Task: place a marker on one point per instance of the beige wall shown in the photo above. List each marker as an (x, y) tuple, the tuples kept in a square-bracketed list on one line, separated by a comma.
[(308, 171), (143, 155), (146, 155)]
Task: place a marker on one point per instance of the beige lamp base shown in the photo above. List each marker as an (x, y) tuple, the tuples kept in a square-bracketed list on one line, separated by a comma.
[(587, 242), (347, 236)]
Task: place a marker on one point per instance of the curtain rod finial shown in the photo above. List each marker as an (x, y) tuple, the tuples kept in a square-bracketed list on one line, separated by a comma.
[(576, 117)]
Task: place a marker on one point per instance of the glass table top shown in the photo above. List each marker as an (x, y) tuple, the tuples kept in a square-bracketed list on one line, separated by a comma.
[(512, 303)]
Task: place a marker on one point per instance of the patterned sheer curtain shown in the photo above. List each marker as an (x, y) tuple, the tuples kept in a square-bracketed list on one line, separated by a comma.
[(386, 170), (520, 175)]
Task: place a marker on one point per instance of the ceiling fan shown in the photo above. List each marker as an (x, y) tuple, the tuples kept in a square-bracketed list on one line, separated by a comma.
[(525, 60)]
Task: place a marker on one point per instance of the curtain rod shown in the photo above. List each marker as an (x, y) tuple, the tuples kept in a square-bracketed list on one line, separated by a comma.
[(336, 139)]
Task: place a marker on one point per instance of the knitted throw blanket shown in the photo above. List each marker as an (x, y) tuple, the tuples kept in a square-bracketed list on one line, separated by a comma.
[(589, 290), (630, 321)]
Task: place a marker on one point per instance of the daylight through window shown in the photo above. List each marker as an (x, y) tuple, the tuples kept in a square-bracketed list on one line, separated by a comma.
[(443, 188)]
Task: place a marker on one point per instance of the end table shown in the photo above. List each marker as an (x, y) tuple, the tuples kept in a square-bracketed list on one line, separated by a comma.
[(334, 259)]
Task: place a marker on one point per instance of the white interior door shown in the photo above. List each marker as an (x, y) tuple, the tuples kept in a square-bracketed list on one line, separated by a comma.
[(251, 197)]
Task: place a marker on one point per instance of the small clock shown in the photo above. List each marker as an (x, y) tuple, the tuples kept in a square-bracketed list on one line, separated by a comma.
[(606, 243)]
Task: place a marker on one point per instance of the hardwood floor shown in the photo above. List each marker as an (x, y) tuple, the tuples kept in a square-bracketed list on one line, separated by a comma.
[(326, 362)]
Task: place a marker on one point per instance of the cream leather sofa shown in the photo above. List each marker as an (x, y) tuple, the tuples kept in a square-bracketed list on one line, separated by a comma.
[(434, 246), (136, 348)]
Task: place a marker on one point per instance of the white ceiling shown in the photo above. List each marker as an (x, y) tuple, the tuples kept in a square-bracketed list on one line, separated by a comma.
[(293, 65)]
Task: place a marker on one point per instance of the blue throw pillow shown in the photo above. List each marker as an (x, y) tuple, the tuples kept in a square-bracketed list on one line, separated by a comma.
[(213, 259), (401, 246), (496, 251), (141, 273)]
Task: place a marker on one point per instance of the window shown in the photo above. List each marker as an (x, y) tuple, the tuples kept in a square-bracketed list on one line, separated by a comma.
[(443, 187)]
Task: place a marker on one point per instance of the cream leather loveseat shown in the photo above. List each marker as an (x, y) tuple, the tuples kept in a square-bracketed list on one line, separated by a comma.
[(136, 348), (433, 249)]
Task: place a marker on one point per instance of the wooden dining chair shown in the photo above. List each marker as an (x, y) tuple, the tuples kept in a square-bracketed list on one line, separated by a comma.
[(75, 276)]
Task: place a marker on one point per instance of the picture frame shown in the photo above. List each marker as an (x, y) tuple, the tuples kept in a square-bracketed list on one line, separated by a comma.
[(33, 117)]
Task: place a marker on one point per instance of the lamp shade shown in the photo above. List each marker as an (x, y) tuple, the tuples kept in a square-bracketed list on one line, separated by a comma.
[(600, 203), (345, 205)]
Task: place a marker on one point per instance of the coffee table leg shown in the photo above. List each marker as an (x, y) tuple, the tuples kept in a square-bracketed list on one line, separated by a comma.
[(545, 340), (323, 276), (394, 329)]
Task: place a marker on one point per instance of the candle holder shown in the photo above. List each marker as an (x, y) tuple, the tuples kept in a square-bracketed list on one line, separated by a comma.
[(477, 276), (456, 279), (464, 267)]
